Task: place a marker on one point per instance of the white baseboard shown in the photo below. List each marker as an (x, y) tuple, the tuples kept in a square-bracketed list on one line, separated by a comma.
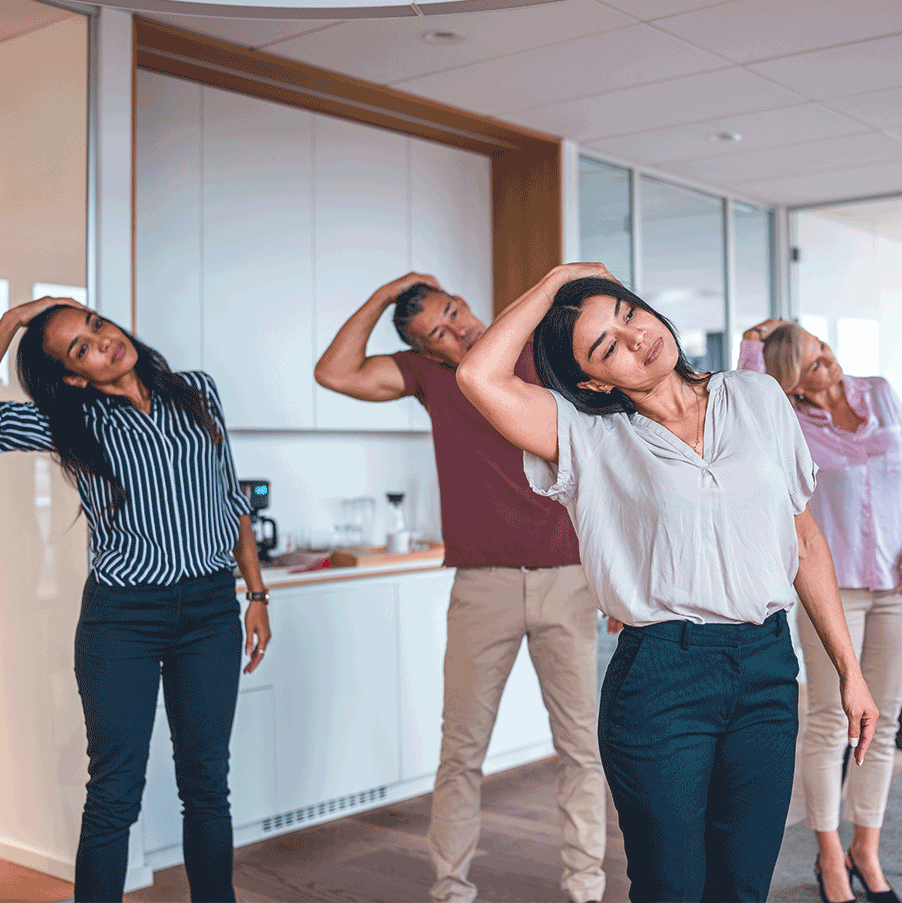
[(141, 876), (39, 860), (64, 869)]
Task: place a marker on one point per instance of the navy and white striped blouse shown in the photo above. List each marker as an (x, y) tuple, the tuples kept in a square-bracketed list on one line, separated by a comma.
[(181, 516)]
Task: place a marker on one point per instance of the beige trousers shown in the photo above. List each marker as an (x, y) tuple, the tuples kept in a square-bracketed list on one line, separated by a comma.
[(875, 625), (491, 610)]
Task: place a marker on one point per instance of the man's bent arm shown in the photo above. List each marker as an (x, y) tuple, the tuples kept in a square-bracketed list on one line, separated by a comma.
[(344, 366)]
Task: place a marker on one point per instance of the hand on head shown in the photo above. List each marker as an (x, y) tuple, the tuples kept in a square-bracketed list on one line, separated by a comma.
[(402, 283), (27, 312), (763, 329)]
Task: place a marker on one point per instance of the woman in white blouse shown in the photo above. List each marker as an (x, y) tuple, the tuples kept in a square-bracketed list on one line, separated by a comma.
[(695, 532)]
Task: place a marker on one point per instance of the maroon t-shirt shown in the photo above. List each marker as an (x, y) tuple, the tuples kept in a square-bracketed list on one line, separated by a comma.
[(490, 516)]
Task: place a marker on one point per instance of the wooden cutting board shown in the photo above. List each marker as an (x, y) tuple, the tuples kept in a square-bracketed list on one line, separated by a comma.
[(364, 557)]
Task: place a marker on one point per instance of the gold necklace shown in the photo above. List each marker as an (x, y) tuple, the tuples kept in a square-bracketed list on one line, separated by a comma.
[(698, 423)]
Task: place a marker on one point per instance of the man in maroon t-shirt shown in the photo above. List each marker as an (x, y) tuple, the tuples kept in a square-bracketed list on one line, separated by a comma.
[(518, 574)]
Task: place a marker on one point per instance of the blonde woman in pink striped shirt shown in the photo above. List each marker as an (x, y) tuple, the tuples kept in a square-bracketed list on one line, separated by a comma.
[(853, 427)]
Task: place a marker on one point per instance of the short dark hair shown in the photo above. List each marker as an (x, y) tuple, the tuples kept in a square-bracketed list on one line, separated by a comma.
[(410, 303), (555, 363)]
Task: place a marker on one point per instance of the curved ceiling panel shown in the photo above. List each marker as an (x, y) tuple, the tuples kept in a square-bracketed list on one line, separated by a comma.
[(318, 9)]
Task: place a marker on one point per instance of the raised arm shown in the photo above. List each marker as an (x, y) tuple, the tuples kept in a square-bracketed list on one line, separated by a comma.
[(523, 413), (345, 367), (816, 585), (17, 318)]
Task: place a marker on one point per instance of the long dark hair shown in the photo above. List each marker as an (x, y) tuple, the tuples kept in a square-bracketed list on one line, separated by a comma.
[(553, 347), (76, 447)]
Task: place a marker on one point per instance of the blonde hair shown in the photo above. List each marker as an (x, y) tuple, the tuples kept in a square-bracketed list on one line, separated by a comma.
[(783, 355)]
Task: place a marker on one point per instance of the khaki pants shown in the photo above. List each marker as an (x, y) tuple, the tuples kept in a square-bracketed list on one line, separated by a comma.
[(491, 610), (875, 625)]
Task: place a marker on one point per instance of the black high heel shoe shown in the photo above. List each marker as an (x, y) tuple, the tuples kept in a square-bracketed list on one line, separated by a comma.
[(820, 884), (882, 896)]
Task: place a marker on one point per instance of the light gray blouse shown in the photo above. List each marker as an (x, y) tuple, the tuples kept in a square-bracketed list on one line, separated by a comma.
[(667, 535)]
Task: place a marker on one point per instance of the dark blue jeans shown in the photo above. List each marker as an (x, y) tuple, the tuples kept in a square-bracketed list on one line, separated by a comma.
[(127, 637), (697, 729)]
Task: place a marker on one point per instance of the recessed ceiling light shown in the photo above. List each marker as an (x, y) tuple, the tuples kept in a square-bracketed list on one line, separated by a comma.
[(724, 137), (442, 37)]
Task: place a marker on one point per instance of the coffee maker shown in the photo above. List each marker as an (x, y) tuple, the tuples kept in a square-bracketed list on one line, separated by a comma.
[(265, 533)]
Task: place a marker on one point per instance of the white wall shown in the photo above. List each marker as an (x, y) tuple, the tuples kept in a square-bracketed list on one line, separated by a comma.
[(43, 542), (43, 157)]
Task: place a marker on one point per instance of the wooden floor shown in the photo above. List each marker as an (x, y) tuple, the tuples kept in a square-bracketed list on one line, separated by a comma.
[(381, 856)]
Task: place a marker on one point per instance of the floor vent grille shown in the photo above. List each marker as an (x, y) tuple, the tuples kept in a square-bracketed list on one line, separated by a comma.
[(337, 806)]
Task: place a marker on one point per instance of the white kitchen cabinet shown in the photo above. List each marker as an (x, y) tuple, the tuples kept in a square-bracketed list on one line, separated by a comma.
[(252, 779), (261, 228), (168, 218), (422, 634), (451, 226), (337, 697), (343, 714), (451, 221), (257, 259), (362, 241)]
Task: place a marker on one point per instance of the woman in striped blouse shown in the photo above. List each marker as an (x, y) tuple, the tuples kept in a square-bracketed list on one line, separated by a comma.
[(148, 452)]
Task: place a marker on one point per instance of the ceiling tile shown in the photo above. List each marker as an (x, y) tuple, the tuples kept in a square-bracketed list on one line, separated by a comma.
[(840, 71), (671, 103), (850, 183), (603, 62), (390, 50), (21, 16), (771, 128), (756, 29), (882, 109), (253, 33), (798, 159), (654, 9)]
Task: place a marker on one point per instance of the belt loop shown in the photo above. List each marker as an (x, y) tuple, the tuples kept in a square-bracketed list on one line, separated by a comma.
[(684, 639), (781, 617)]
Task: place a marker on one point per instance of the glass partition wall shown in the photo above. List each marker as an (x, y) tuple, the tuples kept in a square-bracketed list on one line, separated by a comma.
[(847, 282), (683, 266), (605, 228), (703, 261)]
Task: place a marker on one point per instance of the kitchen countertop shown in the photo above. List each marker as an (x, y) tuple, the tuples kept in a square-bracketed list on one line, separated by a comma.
[(277, 578)]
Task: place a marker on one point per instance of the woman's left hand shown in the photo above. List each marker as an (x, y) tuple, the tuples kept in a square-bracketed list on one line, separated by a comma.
[(861, 712), (257, 633)]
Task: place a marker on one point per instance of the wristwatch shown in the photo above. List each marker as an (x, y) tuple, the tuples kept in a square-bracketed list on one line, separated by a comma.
[(259, 597)]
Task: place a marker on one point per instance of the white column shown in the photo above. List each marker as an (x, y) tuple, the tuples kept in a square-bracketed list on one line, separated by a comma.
[(114, 166), (570, 200)]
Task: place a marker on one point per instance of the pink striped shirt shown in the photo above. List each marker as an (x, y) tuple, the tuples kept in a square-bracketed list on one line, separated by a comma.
[(858, 499)]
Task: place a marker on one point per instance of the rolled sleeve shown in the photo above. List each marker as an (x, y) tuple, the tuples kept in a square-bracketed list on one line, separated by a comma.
[(555, 480), (23, 428)]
